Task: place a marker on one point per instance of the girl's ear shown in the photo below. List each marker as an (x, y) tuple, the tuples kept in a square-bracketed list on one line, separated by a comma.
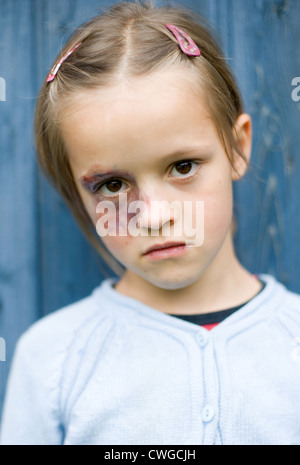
[(243, 136)]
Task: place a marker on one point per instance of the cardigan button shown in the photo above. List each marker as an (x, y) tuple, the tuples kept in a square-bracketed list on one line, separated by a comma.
[(202, 339), (208, 413)]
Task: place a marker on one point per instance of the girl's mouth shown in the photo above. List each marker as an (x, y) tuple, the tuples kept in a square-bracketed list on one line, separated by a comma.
[(166, 250)]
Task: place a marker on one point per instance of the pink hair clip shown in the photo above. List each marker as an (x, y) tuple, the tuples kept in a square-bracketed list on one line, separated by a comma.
[(189, 48), (56, 67)]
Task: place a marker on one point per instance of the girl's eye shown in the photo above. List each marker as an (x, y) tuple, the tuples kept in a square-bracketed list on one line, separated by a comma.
[(112, 187), (184, 169)]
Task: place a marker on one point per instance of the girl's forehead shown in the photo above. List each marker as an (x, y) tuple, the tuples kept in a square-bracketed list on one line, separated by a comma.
[(153, 118), (165, 85)]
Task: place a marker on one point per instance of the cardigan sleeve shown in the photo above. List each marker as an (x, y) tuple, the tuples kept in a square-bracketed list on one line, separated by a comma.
[(30, 416)]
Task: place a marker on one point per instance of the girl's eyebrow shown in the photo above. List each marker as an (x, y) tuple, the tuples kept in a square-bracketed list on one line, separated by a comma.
[(197, 149)]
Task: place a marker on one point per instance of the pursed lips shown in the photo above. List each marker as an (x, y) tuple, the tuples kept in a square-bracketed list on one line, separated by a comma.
[(166, 245)]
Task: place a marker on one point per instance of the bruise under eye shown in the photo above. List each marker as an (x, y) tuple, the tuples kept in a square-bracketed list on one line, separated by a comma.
[(110, 182), (113, 186)]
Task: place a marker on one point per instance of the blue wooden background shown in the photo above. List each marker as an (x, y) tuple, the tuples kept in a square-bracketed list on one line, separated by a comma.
[(45, 262)]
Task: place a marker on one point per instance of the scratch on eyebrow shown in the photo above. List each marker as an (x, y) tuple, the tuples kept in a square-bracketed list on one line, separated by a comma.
[(90, 181)]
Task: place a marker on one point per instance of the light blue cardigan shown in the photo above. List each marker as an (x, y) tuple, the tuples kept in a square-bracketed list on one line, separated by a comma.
[(110, 370)]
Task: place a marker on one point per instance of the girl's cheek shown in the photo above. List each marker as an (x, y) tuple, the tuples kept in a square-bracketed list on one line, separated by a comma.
[(118, 246), (217, 213), (113, 218)]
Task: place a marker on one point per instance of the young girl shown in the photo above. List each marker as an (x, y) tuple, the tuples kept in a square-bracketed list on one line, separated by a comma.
[(141, 128)]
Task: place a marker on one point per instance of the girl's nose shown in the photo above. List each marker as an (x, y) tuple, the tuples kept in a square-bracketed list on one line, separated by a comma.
[(157, 215)]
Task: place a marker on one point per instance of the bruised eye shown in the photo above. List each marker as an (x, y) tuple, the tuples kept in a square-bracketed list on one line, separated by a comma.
[(111, 187), (184, 168)]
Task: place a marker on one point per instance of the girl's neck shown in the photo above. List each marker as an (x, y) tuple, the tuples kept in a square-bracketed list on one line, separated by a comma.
[(224, 284)]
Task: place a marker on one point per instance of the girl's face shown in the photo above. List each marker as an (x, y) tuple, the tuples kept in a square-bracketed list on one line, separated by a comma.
[(150, 139)]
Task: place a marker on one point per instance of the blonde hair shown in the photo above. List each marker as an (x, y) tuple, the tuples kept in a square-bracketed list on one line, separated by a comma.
[(132, 39)]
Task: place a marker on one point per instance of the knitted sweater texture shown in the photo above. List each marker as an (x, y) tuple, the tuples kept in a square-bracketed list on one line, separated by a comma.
[(111, 370)]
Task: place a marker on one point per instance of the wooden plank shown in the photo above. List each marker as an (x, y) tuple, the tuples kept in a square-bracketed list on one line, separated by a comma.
[(267, 203), (19, 282)]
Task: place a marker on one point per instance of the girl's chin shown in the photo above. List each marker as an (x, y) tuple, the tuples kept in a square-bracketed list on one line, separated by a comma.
[(170, 283)]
